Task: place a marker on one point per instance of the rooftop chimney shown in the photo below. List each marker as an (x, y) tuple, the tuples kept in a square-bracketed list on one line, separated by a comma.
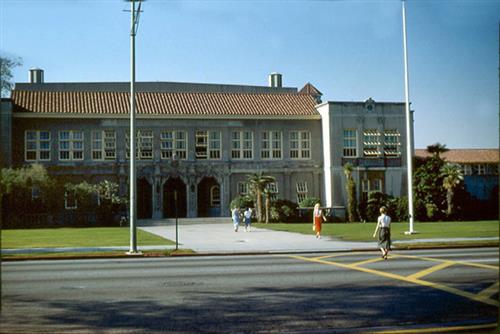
[(36, 75), (275, 80)]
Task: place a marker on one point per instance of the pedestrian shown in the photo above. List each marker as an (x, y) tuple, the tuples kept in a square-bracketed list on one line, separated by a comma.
[(248, 219), (384, 232), (318, 219), (236, 218)]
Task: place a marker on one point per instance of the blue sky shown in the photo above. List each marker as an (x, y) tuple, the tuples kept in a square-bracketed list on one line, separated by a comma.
[(350, 50)]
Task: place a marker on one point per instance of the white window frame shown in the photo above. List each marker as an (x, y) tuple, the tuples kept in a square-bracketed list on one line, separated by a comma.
[(467, 169), (37, 141), (242, 145), (392, 143), (272, 188), (173, 142), (302, 190), (103, 145), (272, 145), (350, 143), (73, 140), (300, 145), (481, 169), (144, 145), (208, 145), (215, 196), (371, 143), (243, 188)]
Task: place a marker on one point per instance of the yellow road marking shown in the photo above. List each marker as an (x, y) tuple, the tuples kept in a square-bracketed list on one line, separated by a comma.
[(377, 259), (335, 255), (471, 264), (488, 292), (438, 329), (430, 270), (404, 279)]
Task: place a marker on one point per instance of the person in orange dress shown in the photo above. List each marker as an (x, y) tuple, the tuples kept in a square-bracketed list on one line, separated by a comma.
[(318, 219)]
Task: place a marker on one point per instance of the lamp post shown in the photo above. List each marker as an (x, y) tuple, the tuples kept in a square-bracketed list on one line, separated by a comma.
[(134, 22), (409, 132)]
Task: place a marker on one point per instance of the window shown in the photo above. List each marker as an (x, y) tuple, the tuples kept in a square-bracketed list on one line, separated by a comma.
[(35, 192), (144, 145), (173, 142), (481, 169), (243, 188), (208, 145), (371, 142), (301, 191), (350, 143), (492, 169), (242, 145), (467, 169), (272, 188), (371, 185), (37, 145), (71, 145), (271, 145), (70, 201), (215, 196), (300, 145), (392, 145), (104, 145)]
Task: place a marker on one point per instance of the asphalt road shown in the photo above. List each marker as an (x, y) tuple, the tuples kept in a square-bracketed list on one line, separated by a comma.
[(308, 293)]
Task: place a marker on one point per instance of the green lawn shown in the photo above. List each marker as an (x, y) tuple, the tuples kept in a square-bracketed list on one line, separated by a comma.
[(427, 230), (77, 237)]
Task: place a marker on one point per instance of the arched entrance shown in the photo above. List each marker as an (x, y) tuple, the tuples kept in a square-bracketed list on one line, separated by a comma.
[(172, 186), (209, 198), (144, 199)]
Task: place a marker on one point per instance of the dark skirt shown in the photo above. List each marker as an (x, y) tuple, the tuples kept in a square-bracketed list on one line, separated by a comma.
[(384, 238)]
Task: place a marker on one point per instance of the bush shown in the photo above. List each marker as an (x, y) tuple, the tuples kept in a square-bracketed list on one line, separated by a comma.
[(309, 202), (283, 210), (241, 202)]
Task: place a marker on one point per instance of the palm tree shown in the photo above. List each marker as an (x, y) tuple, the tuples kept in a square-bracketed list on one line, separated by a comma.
[(436, 149), (258, 183), (351, 192), (452, 176)]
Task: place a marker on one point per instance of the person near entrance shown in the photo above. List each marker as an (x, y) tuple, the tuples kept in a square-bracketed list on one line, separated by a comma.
[(235, 213)]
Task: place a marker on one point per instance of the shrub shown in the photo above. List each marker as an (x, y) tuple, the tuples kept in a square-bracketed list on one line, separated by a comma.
[(242, 202), (283, 210)]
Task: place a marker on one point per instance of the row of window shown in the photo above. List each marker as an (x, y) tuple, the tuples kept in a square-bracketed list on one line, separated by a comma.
[(480, 169), (173, 143), (301, 189), (373, 142)]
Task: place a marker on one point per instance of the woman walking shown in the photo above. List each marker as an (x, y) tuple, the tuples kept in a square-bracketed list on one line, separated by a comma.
[(318, 220), (384, 235)]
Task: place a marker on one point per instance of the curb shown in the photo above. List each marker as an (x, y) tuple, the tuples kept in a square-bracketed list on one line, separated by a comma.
[(160, 254)]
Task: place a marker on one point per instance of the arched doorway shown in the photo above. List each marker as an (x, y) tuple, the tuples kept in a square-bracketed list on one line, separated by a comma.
[(144, 199), (209, 198), (172, 186)]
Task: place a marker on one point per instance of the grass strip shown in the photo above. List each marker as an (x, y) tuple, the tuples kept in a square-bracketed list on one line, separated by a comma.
[(77, 237)]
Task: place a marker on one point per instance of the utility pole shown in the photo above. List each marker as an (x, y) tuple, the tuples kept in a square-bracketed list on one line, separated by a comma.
[(134, 22), (409, 129)]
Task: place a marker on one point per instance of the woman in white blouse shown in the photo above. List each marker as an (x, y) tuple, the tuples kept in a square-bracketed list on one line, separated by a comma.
[(384, 235)]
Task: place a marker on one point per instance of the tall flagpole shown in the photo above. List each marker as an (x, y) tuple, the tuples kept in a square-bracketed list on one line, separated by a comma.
[(409, 131), (132, 137)]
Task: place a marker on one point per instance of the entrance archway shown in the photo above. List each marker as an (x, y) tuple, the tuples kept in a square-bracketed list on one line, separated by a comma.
[(169, 188), (144, 199), (209, 198)]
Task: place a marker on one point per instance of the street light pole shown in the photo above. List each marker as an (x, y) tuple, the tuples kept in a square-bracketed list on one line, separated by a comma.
[(409, 131), (134, 21)]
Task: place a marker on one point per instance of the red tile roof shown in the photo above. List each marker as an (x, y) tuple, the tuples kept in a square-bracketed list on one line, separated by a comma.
[(465, 155), (164, 103)]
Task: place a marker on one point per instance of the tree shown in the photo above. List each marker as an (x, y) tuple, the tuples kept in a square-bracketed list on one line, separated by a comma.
[(351, 193), (452, 177), (430, 197), (436, 149), (258, 183), (6, 66)]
